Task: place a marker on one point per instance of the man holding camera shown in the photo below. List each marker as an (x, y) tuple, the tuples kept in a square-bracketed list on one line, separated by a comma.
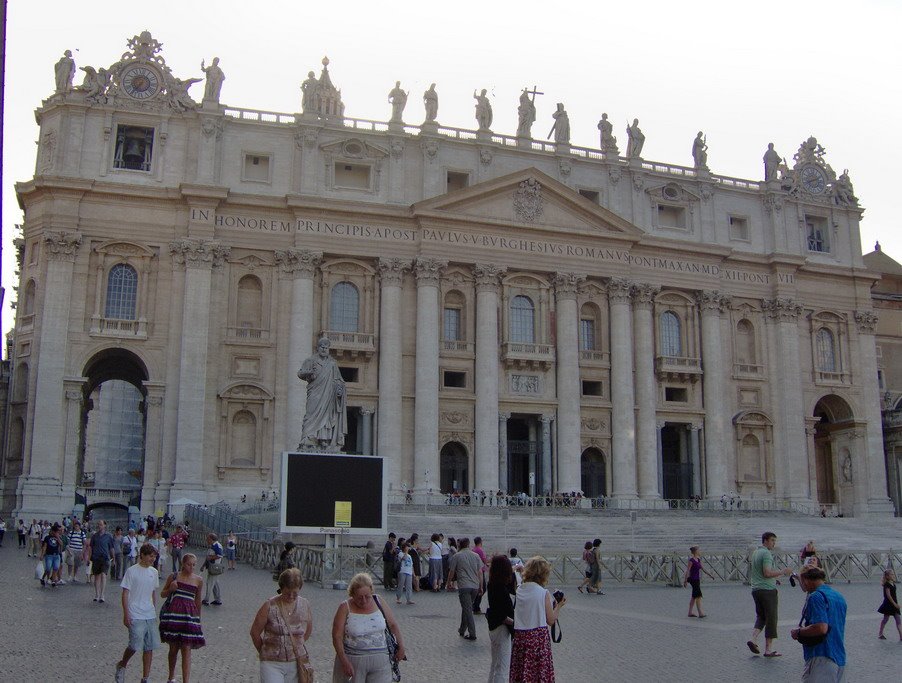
[(823, 633)]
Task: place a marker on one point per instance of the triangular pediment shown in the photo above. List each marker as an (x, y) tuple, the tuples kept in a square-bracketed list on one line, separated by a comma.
[(525, 199)]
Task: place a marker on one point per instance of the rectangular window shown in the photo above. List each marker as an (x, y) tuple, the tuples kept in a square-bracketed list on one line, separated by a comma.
[(592, 388), (739, 228), (456, 180), (256, 168), (452, 324), (880, 384), (350, 375), (675, 394), (818, 237), (591, 195), (353, 176), (586, 334), (134, 148), (671, 216), (454, 380)]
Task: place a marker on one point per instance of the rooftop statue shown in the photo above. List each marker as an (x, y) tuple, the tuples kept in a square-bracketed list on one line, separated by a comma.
[(308, 89), (215, 77), (179, 99), (398, 99), (483, 110), (843, 192), (700, 151), (430, 101), (526, 113), (635, 140), (771, 163), (321, 98), (65, 72), (810, 151), (606, 131), (561, 127), (95, 84), (325, 419)]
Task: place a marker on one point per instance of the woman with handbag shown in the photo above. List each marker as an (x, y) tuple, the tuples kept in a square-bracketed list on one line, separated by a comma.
[(500, 616), (362, 632), (531, 660), (280, 630), (180, 616)]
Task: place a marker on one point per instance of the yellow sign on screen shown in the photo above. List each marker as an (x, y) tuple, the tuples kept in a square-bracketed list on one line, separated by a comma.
[(343, 513)]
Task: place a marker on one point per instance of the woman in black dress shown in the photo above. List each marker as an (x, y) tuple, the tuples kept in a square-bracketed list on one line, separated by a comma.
[(500, 616), (890, 606)]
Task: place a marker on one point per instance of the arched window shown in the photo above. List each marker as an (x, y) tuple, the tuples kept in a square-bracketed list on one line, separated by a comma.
[(452, 317), (344, 308), (826, 353), (745, 343), (587, 328), (121, 292), (244, 439), (523, 320), (671, 344), (250, 302), (28, 299)]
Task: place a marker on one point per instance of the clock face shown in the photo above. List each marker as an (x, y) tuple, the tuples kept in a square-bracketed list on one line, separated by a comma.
[(814, 180), (141, 82)]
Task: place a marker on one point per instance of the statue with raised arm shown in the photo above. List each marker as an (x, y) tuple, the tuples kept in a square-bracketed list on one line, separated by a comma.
[(179, 99), (326, 419), (526, 114), (700, 151), (215, 77), (843, 192), (398, 99), (635, 140), (483, 110), (430, 101), (308, 96), (561, 127), (772, 161), (608, 141), (65, 72)]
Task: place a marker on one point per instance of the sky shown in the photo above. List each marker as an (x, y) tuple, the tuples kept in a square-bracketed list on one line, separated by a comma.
[(744, 73)]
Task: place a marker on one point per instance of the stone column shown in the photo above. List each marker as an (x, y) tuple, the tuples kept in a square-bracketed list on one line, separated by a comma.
[(151, 499), (425, 426), (659, 447), (40, 489), (872, 450), (211, 127), (568, 382), (489, 472), (696, 460), (647, 455), (547, 487), (502, 451), (299, 267), (784, 313), (623, 434), (811, 453), (366, 415), (720, 473), (388, 444), (74, 403), (198, 257)]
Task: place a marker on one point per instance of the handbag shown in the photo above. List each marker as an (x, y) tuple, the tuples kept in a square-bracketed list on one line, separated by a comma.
[(391, 644), (39, 570), (215, 568), (811, 641)]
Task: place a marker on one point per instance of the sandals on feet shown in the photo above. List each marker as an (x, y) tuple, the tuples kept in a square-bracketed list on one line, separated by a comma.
[(773, 654), (753, 647)]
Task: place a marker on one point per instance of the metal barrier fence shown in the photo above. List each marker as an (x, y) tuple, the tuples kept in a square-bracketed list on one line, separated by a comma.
[(220, 519)]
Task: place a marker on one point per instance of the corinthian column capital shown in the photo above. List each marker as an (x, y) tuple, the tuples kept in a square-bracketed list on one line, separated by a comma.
[(488, 276), (61, 246), (391, 271), (195, 253), (712, 301), (296, 263), (644, 295), (619, 290), (566, 285), (429, 271)]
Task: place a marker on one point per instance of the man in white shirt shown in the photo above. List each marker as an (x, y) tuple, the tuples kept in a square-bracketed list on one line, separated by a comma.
[(139, 612)]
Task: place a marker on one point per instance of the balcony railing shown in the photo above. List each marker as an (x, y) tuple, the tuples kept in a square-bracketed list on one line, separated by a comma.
[(352, 344), (678, 368), (457, 348), (527, 355), (824, 377), (247, 334), (114, 327), (592, 357), (748, 370)]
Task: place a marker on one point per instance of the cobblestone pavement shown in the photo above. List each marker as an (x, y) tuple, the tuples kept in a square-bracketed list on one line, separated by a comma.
[(634, 633)]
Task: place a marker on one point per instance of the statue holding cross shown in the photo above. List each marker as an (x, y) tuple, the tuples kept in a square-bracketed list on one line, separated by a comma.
[(526, 112)]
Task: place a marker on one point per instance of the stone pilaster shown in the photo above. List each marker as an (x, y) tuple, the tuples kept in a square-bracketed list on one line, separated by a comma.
[(366, 415), (546, 457), (568, 383), (198, 257), (388, 433), (425, 428), (151, 497), (502, 451), (488, 468), (74, 403), (647, 455), (718, 460), (299, 267), (695, 457), (623, 440), (659, 449)]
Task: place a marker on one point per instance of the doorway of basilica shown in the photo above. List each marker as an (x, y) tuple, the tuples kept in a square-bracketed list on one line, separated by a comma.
[(594, 474), (676, 467), (454, 468)]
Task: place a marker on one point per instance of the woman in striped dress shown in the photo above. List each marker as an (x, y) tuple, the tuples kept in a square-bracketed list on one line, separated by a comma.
[(180, 618)]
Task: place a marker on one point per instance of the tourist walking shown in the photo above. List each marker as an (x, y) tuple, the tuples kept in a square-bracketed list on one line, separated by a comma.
[(280, 630), (21, 532), (286, 561), (595, 584), (52, 556), (414, 550), (588, 559), (531, 660), (100, 550), (435, 563), (763, 580), (34, 538), (693, 576), (388, 563), (75, 553), (500, 617), (177, 543), (118, 560), (890, 606), (466, 569), (405, 574), (358, 636), (130, 549), (139, 613), (821, 629), (180, 625), (517, 565), (231, 549), (2, 530), (213, 567), (477, 548)]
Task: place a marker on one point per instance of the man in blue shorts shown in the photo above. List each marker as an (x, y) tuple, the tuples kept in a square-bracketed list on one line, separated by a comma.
[(139, 612)]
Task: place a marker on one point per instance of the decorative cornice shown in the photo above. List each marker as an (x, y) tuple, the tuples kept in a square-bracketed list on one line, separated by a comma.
[(298, 262), (487, 276), (429, 271), (866, 321), (644, 295), (566, 285), (62, 246), (619, 290), (195, 253), (782, 309), (391, 271), (712, 300)]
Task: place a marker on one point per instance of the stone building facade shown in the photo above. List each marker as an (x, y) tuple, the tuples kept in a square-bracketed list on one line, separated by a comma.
[(507, 313)]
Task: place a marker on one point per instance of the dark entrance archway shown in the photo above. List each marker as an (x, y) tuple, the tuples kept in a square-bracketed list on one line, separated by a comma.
[(594, 473), (834, 476), (676, 467), (454, 465)]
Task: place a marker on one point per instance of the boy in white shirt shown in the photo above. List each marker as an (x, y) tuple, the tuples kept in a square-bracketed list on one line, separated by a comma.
[(139, 612)]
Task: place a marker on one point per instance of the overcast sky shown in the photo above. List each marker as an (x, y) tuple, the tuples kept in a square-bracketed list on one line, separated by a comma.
[(745, 73)]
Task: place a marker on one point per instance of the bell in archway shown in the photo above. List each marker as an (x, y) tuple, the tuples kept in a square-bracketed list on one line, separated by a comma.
[(134, 151)]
